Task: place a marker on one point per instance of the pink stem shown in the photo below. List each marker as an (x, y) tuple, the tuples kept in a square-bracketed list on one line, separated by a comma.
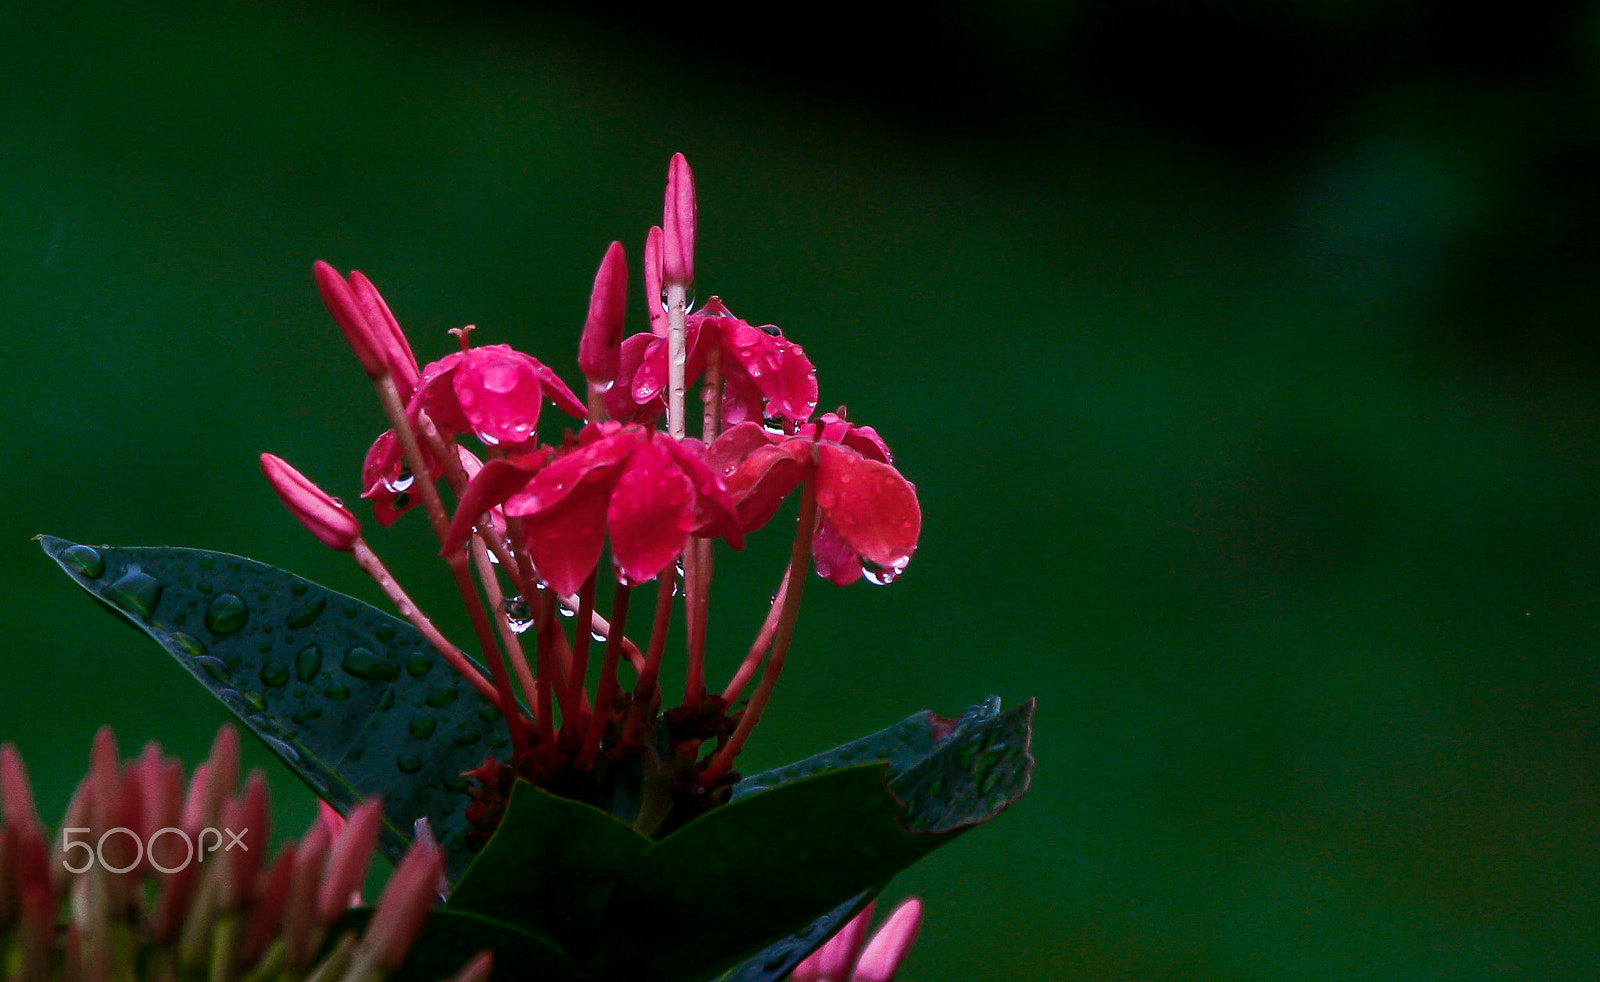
[(763, 640)]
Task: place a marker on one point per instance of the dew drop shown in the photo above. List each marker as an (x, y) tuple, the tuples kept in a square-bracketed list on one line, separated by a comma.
[(256, 701), (307, 715), (408, 763), (283, 750), (444, 695), (518, 614), (384, 633), (418, 664), (136, 592), (298, 589), (338, 692), (422, 727), (226, 614), (466, 740), (306, 614), (826, 499), (385, 700), (363, 664), (191, 645), (489, 714), (274, 674), (85, 559), (308, 663), (214, 667)]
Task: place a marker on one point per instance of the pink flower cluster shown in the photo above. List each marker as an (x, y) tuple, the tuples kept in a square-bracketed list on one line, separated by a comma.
[(534, 517), (186, 863)]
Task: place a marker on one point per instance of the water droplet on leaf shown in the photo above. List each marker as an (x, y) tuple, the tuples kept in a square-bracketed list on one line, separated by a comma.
[(408, 763), (422, 727), (364, 664), (308, 663), (274, 674), (136, 592), (85, 559), (306, 614)]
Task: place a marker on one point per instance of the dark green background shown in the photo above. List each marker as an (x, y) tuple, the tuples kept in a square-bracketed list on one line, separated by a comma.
[(1244, 357)]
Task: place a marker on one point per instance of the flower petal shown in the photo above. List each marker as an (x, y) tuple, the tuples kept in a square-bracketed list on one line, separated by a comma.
[(500, 393), (874, 509), (498, 480), (651, 512), (564, 540)]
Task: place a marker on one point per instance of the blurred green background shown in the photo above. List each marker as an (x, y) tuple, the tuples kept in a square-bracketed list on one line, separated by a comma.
[(1244, 355)]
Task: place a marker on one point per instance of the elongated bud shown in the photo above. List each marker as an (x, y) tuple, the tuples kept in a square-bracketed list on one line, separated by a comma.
[(351, 317), (349, 858), (654, 297), (311, 506), (888, 947), (677, 222), (602, 332), (476, 970), (390, 341), (16, 796), (408, 896)]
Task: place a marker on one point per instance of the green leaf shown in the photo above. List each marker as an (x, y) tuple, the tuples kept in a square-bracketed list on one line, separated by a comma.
[(731, 881), (354, 700), (449, 938), (550, 866), (950, 773)]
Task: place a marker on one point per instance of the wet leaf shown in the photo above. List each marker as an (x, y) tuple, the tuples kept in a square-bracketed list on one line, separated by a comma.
[(352, 699)]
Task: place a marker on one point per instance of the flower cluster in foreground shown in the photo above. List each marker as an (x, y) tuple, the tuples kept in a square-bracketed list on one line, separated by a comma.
[(524, 521), (162, 879)]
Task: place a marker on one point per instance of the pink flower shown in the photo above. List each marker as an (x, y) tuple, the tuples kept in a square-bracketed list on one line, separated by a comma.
[(870, 517), (493, 392), (842, 959), (763, 374), (368, 326), (646, 490)]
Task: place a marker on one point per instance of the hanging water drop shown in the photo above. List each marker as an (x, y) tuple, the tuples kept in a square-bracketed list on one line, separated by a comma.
[(214, 667)]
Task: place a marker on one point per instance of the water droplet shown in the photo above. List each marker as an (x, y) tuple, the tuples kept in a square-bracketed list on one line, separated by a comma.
[(255, 701), (444, 695), (298, 589), (226, 614), (384, 633), (274, 674), (208, 563), (308, 663), (455, 784), (883, 575), (402, 483), (518, 614), (215, 667), (418, 664), (363, 664), (495, 743), (422, 727), (305, 614), (466, 740), (489, 714), (826, 499), (136, 592), (85, 559), (308, 714), (338, 692), (385, 700), (190, 645), (408, 763), (566, 611), (283, 749)]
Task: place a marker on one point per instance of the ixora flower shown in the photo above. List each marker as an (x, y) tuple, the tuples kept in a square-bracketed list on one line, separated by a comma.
[(644, 490), (870, 517), (167, 879), (763, 374), (843, 959)]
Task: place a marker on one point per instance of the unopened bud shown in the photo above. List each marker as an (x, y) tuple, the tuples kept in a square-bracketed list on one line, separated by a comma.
[(678, 222), (602, 331), (311, 506)]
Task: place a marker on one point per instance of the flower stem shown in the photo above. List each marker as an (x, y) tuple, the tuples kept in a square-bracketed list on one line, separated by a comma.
[(798, 557), (759, 646)]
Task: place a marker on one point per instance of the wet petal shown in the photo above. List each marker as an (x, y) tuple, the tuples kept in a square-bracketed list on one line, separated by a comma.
[(873, 508), (833, 558), (499, 392), (651, 512), (564, 540), (491, 486), (590, 464), (386, 481)]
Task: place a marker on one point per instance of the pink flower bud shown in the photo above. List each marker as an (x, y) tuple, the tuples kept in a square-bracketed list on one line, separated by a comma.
[(888, 947), (677, 222), (16, 797), (349, 858), (408, 896), (312, 507), (602, 332), (351, 317), (653, 294), (388, 339), (475, 970)]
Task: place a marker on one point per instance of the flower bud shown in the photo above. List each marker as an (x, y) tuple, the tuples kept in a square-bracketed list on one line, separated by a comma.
[(602, 332), (888, 946), (311, 506), (351, 317), (677, 222)]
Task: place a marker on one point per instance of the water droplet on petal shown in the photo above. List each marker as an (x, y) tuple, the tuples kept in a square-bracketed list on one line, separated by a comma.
[(85, 559), (226, 614), (826, 499)]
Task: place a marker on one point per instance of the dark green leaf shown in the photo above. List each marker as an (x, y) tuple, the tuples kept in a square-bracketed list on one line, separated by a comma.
[(449, 938), (351, 698), (550, 866), (727, 884)]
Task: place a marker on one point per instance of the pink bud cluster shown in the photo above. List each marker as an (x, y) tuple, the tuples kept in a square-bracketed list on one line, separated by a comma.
[(844, 959), (638, 481), (186, 864)]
